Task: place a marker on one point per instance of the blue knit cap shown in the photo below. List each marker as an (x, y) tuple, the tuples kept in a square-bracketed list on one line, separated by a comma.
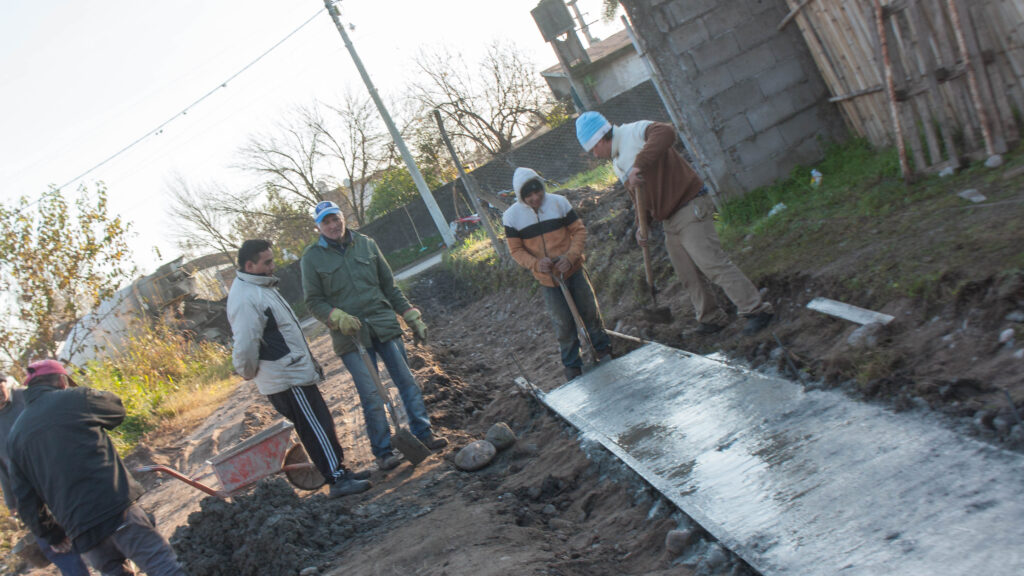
[(590, 128)]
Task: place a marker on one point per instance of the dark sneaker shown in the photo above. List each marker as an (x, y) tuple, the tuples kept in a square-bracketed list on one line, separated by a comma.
[(357, 475), (707, 328), (388, 461), (434, 442), (571, 372), (757, 322), (346, 486)]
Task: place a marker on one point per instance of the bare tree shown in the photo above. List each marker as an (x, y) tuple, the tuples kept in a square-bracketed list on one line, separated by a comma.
[(290, 160), (501, 101), (204, 223), (354, 135)]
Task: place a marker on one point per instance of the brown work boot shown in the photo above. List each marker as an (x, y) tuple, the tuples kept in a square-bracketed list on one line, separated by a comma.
[(571, 372), (388, 461), (757, 322), (434, 442)]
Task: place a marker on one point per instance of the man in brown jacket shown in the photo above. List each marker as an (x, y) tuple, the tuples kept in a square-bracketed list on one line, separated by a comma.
[(546, 237), (644, 159)]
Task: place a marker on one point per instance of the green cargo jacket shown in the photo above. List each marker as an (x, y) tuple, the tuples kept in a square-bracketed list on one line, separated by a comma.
[(359, 283)]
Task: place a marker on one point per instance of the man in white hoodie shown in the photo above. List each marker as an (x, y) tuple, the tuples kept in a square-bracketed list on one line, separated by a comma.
[(546, 237), (270, 349)]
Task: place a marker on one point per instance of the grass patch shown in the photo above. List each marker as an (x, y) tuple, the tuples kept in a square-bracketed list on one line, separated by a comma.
[(401, 258), (160, 375), (475, 261), (600, 177)]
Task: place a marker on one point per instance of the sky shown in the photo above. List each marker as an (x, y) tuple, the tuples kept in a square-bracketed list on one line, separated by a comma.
[(80, 81)]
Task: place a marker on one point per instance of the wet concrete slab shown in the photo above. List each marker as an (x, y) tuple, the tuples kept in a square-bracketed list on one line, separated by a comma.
[(804, 482)]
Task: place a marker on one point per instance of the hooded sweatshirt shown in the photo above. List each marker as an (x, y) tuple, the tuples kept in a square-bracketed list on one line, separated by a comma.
[(553, 230)]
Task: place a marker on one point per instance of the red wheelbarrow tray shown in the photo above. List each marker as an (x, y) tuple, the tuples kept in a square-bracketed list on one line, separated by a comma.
[(247, 462)]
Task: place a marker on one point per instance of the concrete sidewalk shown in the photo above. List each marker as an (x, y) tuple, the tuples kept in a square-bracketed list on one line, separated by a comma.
[(804, 482)]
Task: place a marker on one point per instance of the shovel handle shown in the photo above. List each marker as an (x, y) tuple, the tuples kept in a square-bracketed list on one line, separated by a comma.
[(641, 219), (581, 328), (372, 369)]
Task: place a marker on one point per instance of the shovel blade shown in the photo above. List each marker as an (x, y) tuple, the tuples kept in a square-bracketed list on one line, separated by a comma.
[(410, 446)]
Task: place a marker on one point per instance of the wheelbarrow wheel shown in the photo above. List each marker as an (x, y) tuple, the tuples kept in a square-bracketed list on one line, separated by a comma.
[(306, 478)]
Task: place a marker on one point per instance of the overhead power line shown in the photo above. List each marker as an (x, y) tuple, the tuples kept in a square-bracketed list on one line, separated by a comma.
[(185, 110)]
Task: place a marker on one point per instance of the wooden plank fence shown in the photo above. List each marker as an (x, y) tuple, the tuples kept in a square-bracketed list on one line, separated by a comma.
[(943, 80)]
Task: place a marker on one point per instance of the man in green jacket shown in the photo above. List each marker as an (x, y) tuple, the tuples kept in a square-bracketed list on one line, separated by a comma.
[(350, 288)]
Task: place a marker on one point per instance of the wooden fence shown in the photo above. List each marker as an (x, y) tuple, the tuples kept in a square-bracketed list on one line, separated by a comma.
[(940, 79)]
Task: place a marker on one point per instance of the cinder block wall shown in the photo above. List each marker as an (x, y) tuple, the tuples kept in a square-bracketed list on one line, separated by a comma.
[(751, 95)]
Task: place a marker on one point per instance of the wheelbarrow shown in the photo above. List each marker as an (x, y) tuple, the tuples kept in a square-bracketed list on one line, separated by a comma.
[(265, 454)]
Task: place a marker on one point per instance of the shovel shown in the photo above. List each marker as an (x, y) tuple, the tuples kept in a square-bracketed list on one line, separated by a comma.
[(409, 445), (641, 218), (581, 329)]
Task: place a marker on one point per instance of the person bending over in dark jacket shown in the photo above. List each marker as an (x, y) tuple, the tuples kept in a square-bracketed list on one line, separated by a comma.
[(69, 483)]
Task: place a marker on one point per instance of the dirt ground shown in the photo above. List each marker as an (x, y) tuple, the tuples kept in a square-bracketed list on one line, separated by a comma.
[(549, 505)]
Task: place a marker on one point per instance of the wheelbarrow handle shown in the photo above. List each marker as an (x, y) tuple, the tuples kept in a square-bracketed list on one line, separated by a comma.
[(174, 473)]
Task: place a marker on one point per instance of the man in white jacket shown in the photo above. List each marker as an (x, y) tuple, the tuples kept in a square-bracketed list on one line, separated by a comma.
[(270, 349)]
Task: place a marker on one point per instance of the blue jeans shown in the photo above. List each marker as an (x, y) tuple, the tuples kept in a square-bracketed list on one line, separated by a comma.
[(69, 563), (565, 327), (392, 353)]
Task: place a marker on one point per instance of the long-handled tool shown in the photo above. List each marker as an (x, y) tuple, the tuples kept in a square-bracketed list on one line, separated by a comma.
[(581, 328), (409, 445), (641, 218)]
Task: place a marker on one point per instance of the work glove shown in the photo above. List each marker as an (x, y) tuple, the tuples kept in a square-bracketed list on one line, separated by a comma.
[(413, 318), (544, 265), (563, 265), (347, 324)]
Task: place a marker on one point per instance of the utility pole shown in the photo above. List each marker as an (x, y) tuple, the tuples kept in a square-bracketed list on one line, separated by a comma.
[(467, 180), (421, 184)]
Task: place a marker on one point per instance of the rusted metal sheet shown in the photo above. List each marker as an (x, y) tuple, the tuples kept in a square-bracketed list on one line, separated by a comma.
[(804, 482)]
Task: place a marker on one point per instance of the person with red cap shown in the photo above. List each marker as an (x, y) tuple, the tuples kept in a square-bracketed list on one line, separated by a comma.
[(70, 485), (12, 403)]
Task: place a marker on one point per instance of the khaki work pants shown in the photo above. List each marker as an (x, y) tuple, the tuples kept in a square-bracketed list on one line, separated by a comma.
[(694, 249)]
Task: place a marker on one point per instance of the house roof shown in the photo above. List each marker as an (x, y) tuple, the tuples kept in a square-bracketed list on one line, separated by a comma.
[(597, 51)]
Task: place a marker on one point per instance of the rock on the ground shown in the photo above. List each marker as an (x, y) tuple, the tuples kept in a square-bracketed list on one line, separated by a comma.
[(972, 195), (867, 336), (310, 571), (1006, 336), (676, 541), (475, 456), (994, 161), (1016, 316), (501, 436)]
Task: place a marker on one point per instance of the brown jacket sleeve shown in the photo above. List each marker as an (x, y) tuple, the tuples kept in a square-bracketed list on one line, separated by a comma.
[(520, 254), (577, 238)]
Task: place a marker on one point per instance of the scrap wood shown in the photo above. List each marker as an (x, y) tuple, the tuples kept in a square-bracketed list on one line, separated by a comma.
[(848, 311)]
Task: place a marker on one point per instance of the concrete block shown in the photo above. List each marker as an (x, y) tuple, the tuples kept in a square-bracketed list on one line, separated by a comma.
[(799, 127), (741, 97), (725, 17), (712, 82), (687, 36), (785, 47), (681, 11), (751, 63), (715, 51), (769, 113), (783, 75), (734, 130), (754, 32), (762, 174), (762, 147)]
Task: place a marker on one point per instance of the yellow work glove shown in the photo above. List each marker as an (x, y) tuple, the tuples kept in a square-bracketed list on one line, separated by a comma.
[(347, 324), (412, 318)]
